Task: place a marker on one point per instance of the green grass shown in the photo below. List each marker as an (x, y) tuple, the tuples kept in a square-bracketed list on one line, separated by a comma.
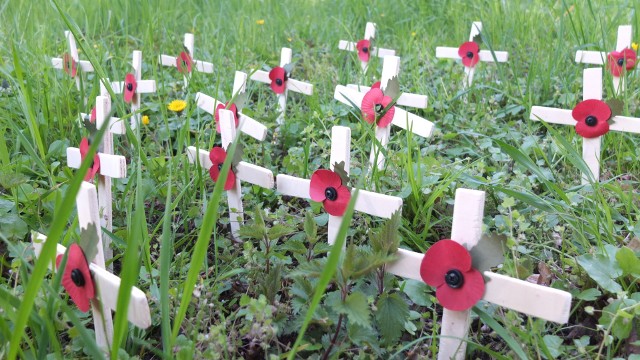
[(212, 297)]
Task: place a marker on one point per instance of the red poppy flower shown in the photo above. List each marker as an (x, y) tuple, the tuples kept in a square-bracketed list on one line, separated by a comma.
[(93, 116), (76, 278), (278, 78), (364, 50), (376, 85), (617, 60), (233, 108), (217, 155), (69, 65), (184, 62), (592, 116), (373, 104), (469, 53), (447, 267), (326, 187), (95, 167), (130, 86)]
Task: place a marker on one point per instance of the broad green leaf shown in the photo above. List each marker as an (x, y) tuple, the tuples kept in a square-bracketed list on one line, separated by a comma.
[(310, 228), (622, 321), (489, 252), (602, 270), (628, 261), (554, 344), (417, 291), (357, 309), (390, 317), (589, 295)]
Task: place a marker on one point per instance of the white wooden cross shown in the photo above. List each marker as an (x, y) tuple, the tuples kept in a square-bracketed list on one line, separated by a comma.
[(401, 118), (143, 87), (591, 148), (105, 196), (484, 55), (390, 69), (369, 34), (291, 84), (71, 61), (600, 58), (518, 295), (251, 127), (184, 62), (367, 202), (250, 173), (107, 284)]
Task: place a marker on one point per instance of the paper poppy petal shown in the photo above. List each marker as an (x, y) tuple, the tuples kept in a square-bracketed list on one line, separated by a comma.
[(216, 116), (630, 58), (81, 295), (69, 65), (320, 181), (234, 109), (376, 85), (338, 206), (464, 297), (214, 173), (388, 116), (93, 116), (184, 62), (278, 75), (95, 167), (441, 257), (468, 52), (590, 132), (368, 105), (217, 155), (130, 86), (364, 50)]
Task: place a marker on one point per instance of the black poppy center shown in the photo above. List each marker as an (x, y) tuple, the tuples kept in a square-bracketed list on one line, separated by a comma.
[(365, 49), (470, 54), (184, 63), (130, 86), (378, 108), (621, 61), (219, 167), (591, 120), (279, 82), (77, 277), (331, 193), (454, 278)]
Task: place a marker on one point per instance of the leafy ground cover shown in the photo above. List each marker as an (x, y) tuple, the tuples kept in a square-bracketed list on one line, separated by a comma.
[(215, 298)]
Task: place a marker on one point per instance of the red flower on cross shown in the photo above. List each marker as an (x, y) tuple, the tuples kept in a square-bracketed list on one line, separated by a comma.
[(130, 86), (447, 266), (278, 77), (95, 167), (76, 278), (469, 53), (326, 187), (233, 108), (364, 50), (69, 65), (218, 155), (619, 60), (184, 62), (374, 107), (592, 118)]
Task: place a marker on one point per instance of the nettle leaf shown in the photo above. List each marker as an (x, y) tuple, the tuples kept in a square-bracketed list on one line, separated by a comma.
[(393, 88), (391, 315), (477, 39), (89, 240), (310, 228), (356, 307), (488, 252), (288, 68), (278, 231), (339, 168), (616, 106), (240, 100), (603, 269), (628, 261), (386, 240)]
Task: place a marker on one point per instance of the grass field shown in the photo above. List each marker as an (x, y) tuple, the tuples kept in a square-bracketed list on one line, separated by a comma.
[(211, 297)]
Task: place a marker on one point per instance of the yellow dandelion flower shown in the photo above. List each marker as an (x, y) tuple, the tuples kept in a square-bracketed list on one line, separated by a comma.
[(413, 33), (177, 105), (634, 46), (145, 120), (260, 22)]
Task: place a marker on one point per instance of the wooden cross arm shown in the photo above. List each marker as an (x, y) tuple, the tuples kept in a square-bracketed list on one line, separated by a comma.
[(591, 57), (485, 55), (247, 124), (522, 296), (368, 202), (116, 125), (563, 117), (144, 86), (250, 173), (113, 166), (375, 51), (292, 84), (401, 118), (201, 66), (84, 65), (405, 99), (108, 286)]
